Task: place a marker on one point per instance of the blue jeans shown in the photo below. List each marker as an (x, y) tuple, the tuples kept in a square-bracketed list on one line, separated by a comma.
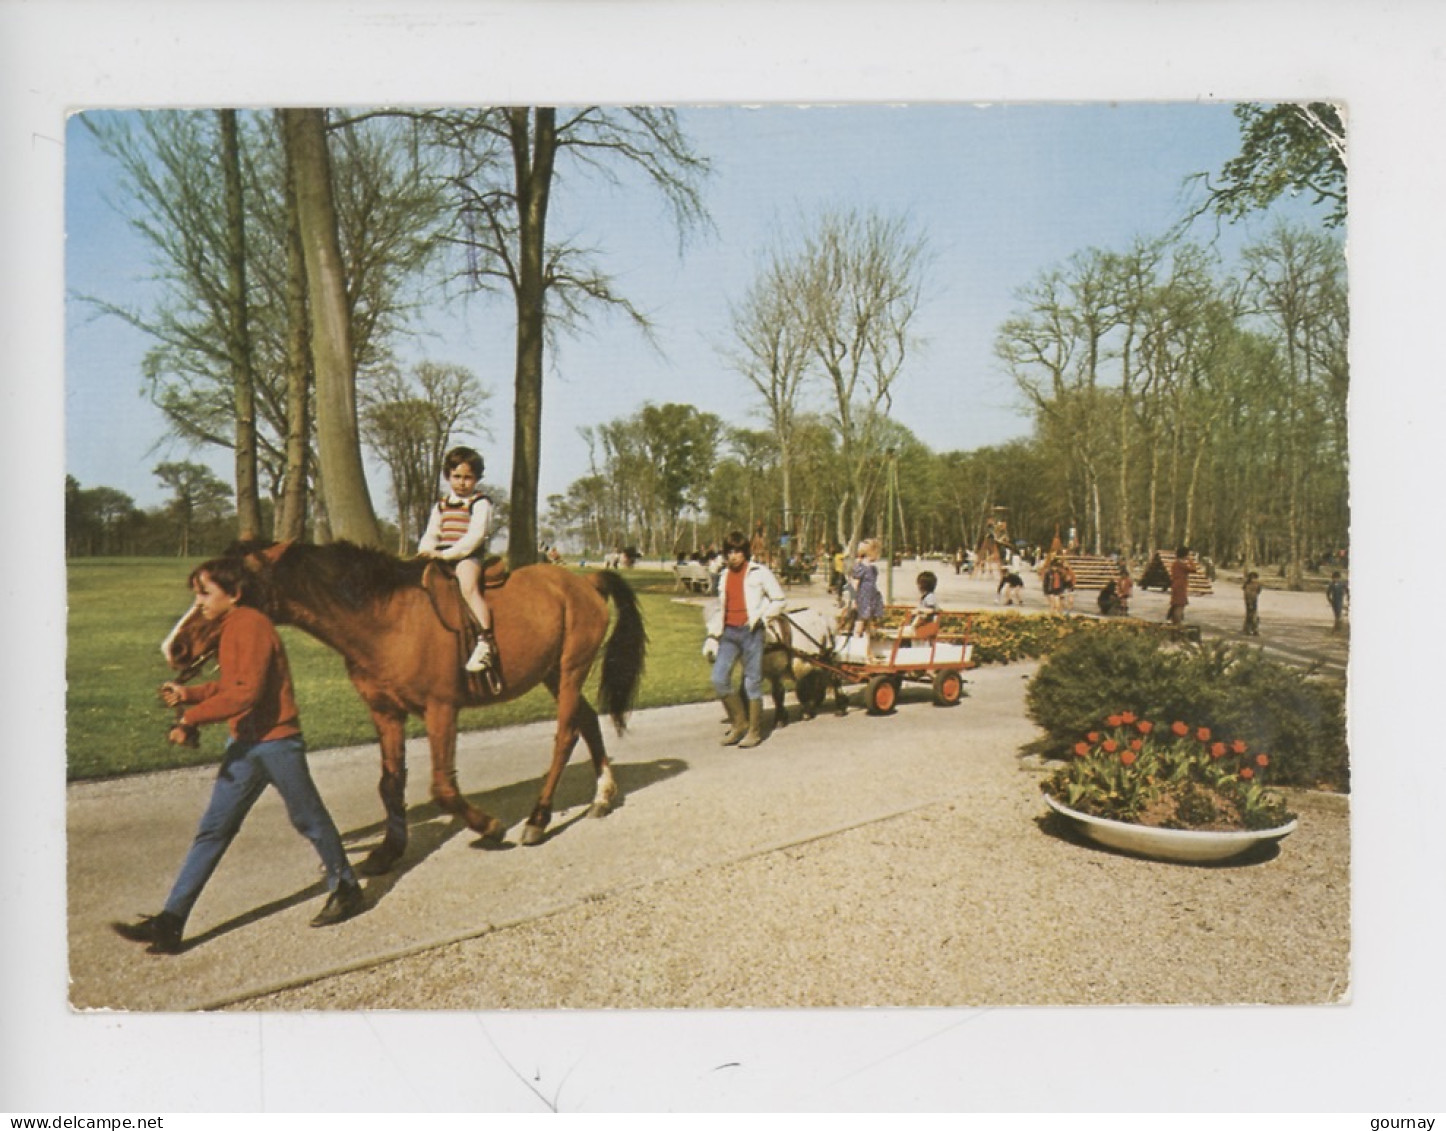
[(246, 770), (735, 642)]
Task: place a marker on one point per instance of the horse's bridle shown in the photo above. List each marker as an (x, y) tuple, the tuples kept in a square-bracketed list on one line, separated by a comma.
[(824, 648)]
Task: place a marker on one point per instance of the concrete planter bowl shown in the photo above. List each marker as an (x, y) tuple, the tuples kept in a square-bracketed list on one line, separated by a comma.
[(1186, 846)]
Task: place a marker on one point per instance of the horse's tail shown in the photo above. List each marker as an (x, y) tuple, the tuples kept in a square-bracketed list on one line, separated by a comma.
[(622, 662)]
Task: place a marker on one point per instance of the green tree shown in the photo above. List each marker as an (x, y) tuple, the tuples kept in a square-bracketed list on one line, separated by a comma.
[(1289, 148), (197, 497), (679, 444), (98, 520)]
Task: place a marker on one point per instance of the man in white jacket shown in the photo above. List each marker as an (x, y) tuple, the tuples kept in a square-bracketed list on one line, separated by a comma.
[(749, 596)]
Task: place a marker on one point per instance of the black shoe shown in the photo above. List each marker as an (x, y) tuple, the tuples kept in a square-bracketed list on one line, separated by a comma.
[(346, 901), (162, 931)]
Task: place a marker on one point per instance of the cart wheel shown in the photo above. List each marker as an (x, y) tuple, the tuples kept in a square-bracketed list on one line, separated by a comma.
[(882, 694), (948, 688)]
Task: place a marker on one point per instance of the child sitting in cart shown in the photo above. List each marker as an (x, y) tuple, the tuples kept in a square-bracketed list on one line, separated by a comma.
[(924, 624)]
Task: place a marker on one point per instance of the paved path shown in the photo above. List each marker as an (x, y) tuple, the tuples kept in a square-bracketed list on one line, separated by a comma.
[(690, 805), (1294, 626)]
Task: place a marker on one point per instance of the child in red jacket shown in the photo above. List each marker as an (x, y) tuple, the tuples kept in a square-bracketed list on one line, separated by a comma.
[(253, 694)]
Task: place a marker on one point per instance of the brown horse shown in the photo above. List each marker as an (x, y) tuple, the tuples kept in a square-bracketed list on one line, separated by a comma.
[(404, 660)]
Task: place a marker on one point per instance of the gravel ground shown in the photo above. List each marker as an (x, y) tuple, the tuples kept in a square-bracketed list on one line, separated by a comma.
[(977, 901)]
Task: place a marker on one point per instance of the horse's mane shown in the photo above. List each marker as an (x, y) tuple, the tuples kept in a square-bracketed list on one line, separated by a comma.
[(338, 573)]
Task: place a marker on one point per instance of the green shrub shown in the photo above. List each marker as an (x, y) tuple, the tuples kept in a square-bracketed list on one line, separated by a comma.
[(1232, 689)]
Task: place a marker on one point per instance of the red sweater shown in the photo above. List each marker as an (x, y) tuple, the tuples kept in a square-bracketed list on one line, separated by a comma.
[(253, 690)]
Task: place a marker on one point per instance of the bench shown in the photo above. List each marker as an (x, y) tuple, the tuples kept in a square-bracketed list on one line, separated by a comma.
[(693, 577)]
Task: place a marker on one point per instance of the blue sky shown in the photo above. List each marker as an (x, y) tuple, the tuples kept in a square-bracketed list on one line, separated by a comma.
[(999, 192)]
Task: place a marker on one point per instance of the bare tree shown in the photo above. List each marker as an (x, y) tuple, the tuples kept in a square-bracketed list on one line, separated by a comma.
[(504, 164), (773, 351), (230, 366), (348, 502), (857, 283), (409, 422), (238, 337)]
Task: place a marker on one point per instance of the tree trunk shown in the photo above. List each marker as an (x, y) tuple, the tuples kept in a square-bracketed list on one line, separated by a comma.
[(238, 345), (348, 503), (533, 152), (290, 524)]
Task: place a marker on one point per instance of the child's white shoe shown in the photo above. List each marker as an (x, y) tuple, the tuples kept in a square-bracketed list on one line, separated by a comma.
[(481, 658)]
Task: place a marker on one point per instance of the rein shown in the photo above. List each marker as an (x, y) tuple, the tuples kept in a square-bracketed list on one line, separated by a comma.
[(823, 649), (188, 673)]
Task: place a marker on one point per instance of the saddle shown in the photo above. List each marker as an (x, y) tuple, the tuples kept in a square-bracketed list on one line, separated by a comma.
[(439, 579)]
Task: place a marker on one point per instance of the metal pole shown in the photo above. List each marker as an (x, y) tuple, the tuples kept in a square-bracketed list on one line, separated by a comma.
[(889, 544)]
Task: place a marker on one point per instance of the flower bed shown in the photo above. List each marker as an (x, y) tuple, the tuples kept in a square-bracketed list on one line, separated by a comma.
[(1173, 777), (1003, 637)]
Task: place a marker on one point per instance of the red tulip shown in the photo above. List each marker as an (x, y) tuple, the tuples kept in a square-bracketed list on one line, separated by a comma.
[(1262, 760), (1093, 736), (1238, 746), (1247, 773), (1144, 726), (1111, 745), (1128, 757), (1218, 750), (1113, 721), (1081, 749), (1203, 734), (1180, 729), (1127, 717), (1136, 745)]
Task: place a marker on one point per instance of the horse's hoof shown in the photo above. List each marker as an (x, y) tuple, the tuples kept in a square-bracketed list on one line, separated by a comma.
[(532, 835), (493, 831), (599, 809), (379, 861)]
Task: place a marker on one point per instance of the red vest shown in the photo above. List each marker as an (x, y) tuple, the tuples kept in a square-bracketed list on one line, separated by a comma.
[(456, 518)]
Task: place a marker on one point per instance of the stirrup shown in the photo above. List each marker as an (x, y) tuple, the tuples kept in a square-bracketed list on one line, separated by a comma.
[(481, 658)]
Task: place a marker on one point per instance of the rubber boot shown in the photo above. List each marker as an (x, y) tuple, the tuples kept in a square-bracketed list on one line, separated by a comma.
[(737, 718), (755, 725)]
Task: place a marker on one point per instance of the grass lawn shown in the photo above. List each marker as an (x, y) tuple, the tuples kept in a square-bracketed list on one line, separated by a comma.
[(120, 610)]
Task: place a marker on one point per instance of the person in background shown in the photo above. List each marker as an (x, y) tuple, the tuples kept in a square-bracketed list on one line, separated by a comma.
[(836, 575), (1251, 592), (1011, 588), (749, 596), (1124, 588), (1180, 570), (924, 624), (869, 602), (1054, 582), (1338, 593)]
